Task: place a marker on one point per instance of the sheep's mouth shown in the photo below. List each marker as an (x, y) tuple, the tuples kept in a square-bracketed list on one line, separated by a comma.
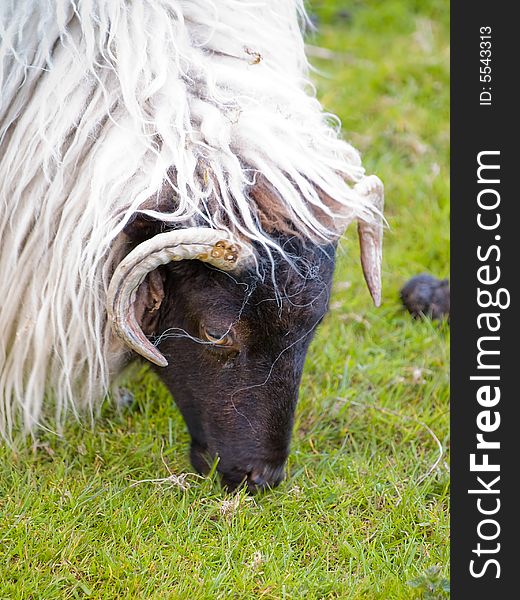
[(200, 458)]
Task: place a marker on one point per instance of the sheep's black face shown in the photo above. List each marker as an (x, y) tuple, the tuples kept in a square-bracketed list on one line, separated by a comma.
[(236, 355)]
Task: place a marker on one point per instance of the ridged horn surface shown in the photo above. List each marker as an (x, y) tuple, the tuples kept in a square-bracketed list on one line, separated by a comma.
[(212, 246), (371, 236)]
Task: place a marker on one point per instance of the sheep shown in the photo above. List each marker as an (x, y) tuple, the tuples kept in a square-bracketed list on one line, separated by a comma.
[(171, 189)]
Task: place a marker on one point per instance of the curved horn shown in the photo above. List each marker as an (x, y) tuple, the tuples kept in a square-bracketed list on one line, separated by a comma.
[(371, 235), (213, 246)]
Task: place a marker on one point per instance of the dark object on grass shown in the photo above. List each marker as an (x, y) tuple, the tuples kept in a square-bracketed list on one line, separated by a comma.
[(344, 15), (424, 295)]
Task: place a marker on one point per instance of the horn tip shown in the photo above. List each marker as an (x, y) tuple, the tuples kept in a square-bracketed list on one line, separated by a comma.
[(158, 360), (375, 293)]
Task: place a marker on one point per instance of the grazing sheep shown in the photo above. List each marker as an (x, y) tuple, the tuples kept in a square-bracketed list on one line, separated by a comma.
[(169, 187)]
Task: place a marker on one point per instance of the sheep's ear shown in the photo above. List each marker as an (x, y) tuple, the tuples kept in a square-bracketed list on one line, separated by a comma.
[(147, 222), (148, 300), (270, 208), (142, 227)]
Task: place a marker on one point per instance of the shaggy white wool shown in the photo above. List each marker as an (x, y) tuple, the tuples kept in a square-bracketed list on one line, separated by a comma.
[(99, 98)]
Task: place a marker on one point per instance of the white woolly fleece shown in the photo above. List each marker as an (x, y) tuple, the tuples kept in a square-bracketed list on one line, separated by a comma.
[(99, 98)]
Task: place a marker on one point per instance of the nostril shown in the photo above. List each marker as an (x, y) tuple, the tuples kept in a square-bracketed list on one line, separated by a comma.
[(257, 478), (264, 477)]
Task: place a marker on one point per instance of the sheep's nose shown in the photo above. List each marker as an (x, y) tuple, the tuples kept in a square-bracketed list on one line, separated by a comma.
[(265, 477)]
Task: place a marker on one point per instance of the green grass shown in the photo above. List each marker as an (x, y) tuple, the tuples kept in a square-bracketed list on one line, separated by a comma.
[(364, 513)]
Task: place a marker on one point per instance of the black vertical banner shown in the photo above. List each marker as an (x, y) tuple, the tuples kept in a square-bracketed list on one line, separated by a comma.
[(485, 356)]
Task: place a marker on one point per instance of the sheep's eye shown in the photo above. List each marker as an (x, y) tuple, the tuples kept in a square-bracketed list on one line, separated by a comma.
[(219, 338)]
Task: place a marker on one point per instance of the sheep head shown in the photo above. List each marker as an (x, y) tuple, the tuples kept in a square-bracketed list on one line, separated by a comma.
[(231, 340)]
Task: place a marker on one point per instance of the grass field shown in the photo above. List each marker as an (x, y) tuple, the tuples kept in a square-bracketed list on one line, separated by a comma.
[(364, 512)]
